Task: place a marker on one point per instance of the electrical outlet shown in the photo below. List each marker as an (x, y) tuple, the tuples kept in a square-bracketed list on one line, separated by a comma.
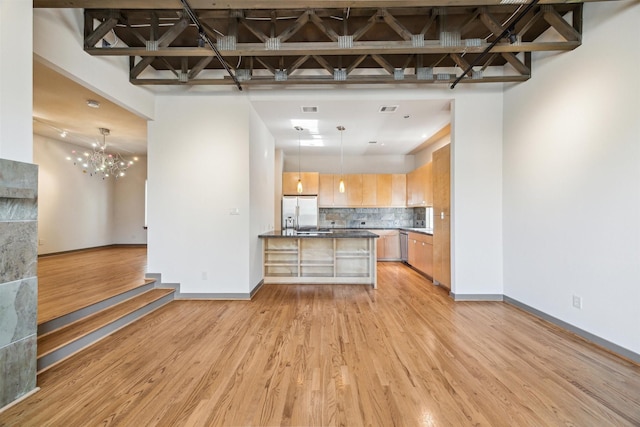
[(577, 302), (204, 275)]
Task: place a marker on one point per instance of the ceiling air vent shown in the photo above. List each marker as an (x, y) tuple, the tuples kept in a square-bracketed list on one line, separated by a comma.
[(373, 142), (388, 109), (309, 109)]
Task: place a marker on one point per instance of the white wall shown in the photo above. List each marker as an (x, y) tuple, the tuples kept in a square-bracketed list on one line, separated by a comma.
[(74, 210), (425, 155), (352, 164), (476, 156), (572, 180), (58, 42), (77, 211), (16, 81), (198, 172), (262, 189), (128, 215)]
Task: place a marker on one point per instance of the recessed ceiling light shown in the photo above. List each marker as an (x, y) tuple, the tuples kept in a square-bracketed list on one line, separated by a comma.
[(93, 103), (388, 109), (309, 109)]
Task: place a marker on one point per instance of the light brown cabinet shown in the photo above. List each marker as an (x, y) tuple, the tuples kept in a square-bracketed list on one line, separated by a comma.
[(441, 216), (325, 190), (420, 186), (420, 253), (363, 190), (353, 183), (369, 190), (329, 194), (387, 245), (310, 183), (398, 190)]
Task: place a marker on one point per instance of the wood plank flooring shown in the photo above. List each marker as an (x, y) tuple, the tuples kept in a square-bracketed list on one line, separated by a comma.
[(325, 355), (71, 281)]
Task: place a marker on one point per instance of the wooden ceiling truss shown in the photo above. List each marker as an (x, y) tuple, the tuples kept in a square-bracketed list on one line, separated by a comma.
[(368, 45)]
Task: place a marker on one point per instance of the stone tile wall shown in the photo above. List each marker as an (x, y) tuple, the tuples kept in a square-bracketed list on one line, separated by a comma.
[(18, 278), (365, 217)]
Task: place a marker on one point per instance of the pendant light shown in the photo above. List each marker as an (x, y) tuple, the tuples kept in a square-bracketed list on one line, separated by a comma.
[(341, 184), (299, 187)]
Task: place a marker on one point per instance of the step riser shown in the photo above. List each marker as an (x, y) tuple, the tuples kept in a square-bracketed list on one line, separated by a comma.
[(62, 321), (48, 360)]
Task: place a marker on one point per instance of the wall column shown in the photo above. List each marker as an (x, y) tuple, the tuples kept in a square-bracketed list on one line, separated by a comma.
[(18, 281)]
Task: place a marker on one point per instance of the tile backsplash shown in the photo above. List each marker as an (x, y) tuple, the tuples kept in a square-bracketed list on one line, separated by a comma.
[(371, 217)]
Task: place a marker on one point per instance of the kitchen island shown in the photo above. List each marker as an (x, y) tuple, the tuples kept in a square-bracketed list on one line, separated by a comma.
[(333, 257)]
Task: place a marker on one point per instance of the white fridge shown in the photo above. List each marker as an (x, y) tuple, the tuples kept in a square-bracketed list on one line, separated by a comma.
[(299, 212)]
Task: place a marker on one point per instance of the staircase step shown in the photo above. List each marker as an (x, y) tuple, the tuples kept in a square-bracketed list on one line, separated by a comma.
[(61, 343), (59, 322)]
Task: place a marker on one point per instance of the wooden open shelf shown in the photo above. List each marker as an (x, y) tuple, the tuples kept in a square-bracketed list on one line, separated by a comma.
[(319, 260)]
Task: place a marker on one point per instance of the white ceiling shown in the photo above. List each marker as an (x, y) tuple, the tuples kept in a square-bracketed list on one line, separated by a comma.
[(60, 104), (398, 132)]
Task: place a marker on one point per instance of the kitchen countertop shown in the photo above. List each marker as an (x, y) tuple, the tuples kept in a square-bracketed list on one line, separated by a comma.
[(336, 233), (343, 232), (428, 231)]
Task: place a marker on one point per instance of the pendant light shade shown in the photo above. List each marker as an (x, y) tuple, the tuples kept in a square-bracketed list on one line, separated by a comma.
[(299, 186), (341, 184)]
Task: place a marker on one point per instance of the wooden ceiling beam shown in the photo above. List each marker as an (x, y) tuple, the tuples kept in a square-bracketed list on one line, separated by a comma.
[(363, 30), (266, 4), (359, 79), (330, 48), (554, 19), (259, 34), (324, 64), (383, 63), (103, 29), (490, 22), (297, 64), (299, 23), (395, 25), (320, 24), (356, 63), (197, 69)]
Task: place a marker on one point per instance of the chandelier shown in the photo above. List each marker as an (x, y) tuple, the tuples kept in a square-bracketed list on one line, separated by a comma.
[(100, 163)]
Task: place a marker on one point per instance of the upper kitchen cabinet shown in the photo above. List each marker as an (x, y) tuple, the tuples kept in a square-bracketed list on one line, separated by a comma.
[(310, 183), (420, 186), (353, 182), (325, 190), (329, 194), (363, 190), (391, 190), (369, 190), (398, 190)]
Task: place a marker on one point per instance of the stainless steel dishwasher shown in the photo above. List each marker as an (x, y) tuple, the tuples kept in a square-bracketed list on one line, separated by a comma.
[(404, 245)]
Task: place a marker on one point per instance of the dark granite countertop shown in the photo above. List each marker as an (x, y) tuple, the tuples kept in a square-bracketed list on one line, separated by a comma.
[(428, 231), (336, 233), (422, 230)]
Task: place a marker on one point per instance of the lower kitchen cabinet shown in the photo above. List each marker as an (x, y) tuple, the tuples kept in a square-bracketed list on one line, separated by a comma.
[(388, 245), (420, 254)]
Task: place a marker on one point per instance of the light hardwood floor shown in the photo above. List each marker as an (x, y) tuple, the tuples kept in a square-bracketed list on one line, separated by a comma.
[(71, 281), (403, 355)]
